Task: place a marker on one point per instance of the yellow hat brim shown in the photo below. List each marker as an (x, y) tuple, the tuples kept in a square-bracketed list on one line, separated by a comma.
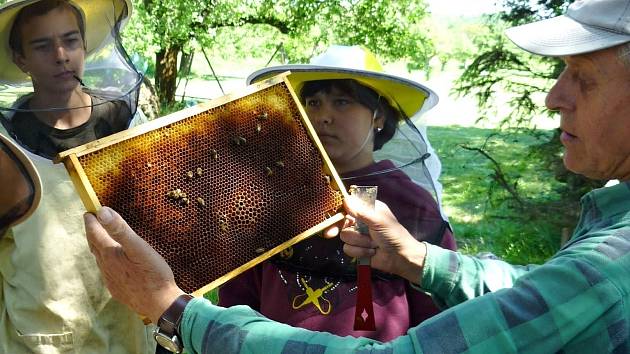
[(32, 173), (406, 95), (99, 16)]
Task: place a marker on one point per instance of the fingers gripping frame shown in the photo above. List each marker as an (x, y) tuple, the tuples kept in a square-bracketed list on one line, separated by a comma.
[(216, 188)]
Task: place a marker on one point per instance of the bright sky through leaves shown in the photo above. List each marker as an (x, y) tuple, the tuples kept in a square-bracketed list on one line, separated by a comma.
[(462, 7)]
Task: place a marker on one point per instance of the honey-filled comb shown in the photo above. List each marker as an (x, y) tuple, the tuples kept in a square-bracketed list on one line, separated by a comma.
[(216, 188)]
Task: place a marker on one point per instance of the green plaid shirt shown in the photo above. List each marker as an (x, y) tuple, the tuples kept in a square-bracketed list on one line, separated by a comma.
[(574, 303)]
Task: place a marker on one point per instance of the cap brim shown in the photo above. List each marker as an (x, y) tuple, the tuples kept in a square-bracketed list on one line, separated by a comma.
[(100, 17), (32, 173), (563, 36), (406, 95)]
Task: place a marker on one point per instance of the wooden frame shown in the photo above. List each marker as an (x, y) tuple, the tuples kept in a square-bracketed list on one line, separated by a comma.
[(81, 180)]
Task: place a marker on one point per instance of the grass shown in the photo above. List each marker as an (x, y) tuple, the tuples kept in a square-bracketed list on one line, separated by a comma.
[(482, 215)]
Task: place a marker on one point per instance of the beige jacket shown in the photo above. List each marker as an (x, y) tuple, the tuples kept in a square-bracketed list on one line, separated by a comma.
[(52, 298)]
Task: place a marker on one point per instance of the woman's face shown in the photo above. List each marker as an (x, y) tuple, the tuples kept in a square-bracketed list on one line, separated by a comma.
[(345, 128)]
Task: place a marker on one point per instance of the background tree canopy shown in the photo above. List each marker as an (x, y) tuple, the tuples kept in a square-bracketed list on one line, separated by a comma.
[(390, 28)]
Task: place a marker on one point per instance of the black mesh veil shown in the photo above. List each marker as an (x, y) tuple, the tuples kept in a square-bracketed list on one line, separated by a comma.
[(405, 170), (410, 152), (111, 72)]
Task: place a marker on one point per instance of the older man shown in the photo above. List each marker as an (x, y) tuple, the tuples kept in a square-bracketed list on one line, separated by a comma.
[(577, 302)]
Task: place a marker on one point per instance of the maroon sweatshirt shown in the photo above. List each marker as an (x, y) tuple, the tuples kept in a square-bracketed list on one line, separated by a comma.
[(313, 284)]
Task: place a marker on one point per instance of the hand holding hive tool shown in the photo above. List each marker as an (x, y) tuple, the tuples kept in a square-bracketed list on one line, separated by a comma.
[(364, 310)]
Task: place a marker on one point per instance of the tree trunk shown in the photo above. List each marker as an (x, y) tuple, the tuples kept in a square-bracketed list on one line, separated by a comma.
[(166, 73), (148, 101)]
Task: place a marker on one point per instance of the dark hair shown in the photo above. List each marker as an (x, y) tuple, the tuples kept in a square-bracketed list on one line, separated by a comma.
[(365, 96), (40, 8)]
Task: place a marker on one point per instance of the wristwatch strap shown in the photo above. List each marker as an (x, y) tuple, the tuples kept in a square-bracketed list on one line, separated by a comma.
[(169, 321), (167, 331)]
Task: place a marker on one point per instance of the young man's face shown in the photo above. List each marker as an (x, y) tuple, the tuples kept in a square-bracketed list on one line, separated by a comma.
[(53, 51)]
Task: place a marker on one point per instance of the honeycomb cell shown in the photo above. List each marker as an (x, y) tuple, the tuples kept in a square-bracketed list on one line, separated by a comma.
[(215, 190)]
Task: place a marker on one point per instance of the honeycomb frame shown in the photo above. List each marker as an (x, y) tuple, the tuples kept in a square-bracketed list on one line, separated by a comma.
[(173, 180)]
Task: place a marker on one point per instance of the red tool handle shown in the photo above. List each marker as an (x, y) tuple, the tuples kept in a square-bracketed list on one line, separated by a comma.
[(364, 310)]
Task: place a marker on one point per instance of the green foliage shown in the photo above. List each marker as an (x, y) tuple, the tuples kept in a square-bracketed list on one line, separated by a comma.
[(501, 67), (135, 39), (391, 29), (168, 109), (212, 295), (485, 217), (456, 38), (502, 74), (168, 23)]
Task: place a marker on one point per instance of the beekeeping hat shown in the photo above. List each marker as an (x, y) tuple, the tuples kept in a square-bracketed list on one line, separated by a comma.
[(587, 26), (20, 185), (99, 17), (358, 63)]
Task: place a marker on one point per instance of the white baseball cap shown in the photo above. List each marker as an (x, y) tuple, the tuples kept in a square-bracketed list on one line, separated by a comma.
[(587, 26)]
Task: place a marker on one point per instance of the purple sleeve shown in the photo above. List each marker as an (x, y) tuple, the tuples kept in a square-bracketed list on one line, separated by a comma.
[(244, 289), (448, 240), (421, 306)]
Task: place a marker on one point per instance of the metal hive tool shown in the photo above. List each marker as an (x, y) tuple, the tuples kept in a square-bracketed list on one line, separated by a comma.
[(216, 188)]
